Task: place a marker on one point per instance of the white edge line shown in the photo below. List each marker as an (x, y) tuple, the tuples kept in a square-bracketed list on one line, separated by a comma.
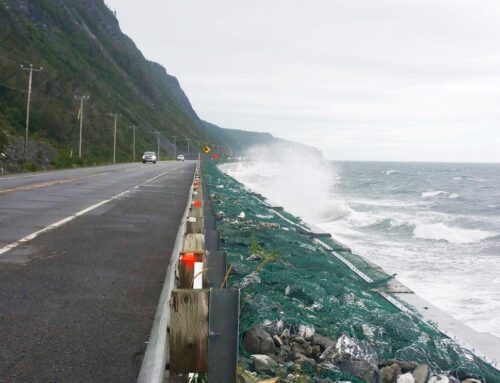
[(63, 221), (41, 174)]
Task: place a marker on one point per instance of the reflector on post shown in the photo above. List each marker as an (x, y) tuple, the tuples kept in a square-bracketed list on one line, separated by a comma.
[(188, 259), (198, 275)]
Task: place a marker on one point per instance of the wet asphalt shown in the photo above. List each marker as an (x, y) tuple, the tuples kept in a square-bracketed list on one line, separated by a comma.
[(77, 302)]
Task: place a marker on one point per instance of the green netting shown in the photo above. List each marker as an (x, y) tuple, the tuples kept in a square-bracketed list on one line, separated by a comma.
[(306, 285)]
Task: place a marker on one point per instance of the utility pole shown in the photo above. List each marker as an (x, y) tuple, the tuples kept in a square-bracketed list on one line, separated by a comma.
[(158, 138), (114, 135), (198, 145), (133, 142), (31, 69), (80, 116), (188, 139), (175, 146)]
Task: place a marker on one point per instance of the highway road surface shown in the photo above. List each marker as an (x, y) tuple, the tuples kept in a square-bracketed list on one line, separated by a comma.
[(83, 256)]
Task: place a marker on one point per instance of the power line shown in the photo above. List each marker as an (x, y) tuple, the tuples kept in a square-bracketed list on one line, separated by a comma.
[(12, 88), (17, 57), (9, 59), (20, 61)]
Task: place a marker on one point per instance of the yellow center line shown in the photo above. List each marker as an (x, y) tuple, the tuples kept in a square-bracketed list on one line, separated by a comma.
[(47, 184)]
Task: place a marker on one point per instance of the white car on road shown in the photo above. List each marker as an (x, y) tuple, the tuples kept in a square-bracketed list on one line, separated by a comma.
[(149, 157)]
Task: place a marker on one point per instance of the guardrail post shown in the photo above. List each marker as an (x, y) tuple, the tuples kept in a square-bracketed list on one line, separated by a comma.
[(186, 269), (189, 331), (209, 222), (212, 240), (216, 268), (223, 335), (204, 323)]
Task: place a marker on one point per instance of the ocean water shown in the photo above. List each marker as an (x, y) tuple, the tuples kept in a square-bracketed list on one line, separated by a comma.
[(437, 226)]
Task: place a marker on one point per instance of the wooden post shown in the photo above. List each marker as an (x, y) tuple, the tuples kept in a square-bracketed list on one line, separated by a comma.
[(195, 227), (186, 271), (196, 212), (194, 243), (189, 331)]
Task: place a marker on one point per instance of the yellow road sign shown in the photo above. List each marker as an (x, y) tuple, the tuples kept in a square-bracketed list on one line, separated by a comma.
[(207, 149)]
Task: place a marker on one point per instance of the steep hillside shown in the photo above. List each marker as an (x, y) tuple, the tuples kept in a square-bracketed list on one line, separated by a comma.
[(82, 51), (239, 141)]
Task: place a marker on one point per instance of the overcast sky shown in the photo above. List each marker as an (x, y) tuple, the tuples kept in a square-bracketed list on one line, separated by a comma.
[(359, 79)]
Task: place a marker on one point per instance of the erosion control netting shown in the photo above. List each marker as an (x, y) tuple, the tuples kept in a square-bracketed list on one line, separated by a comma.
[(303, 284)]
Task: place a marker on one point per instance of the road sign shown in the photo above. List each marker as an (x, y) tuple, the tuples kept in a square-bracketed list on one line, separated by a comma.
[(207, 149), (215, 156)]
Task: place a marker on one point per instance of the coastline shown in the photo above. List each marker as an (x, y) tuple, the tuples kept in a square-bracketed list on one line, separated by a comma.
[(484, 346)]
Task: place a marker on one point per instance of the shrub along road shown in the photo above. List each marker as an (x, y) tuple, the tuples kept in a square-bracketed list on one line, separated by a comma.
[(83, 255)]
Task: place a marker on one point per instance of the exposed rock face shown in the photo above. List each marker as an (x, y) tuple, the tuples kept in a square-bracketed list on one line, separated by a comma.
[(245, 377), (439, 379), (322, 341), (302, 348), (360, 369), (309, 353), (39, 154), (349, 348), (405, 365), (421, 373), (258, 341), (389, 374), (406, 378), (264, 364), (277, 341)]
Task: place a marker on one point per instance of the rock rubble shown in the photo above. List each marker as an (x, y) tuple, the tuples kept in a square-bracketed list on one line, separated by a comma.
[(301, 357)]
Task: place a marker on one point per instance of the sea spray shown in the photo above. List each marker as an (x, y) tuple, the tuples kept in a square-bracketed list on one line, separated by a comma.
[(301, 180), (434, 225), (307, 287)]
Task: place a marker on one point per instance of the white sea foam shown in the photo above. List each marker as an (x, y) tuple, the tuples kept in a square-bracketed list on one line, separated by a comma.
[(386, 202), (436, 252), (431, 194), (301, 181), (264, 216), (440, 232), (389, 172)]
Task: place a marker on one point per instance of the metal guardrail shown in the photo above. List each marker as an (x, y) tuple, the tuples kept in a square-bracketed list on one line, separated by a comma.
[(196, 325), (157, 351)]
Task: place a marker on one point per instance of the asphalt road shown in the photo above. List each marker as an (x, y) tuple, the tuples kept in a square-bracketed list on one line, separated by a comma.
[(83, 255)]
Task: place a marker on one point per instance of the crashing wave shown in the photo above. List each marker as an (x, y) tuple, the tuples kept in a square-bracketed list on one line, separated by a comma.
[(441, 232), (389, 172), (301, 182), (431, 194)]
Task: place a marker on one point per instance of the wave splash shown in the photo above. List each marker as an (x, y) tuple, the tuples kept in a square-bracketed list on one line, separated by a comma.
[(441, 232), (431, 194), (302, 181)]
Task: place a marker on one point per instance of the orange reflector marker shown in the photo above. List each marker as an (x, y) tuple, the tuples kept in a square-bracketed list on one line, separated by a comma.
[(197, 203), (188, 259)]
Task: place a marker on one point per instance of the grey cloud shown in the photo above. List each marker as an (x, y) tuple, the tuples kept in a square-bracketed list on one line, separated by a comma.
[(385, 79)]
